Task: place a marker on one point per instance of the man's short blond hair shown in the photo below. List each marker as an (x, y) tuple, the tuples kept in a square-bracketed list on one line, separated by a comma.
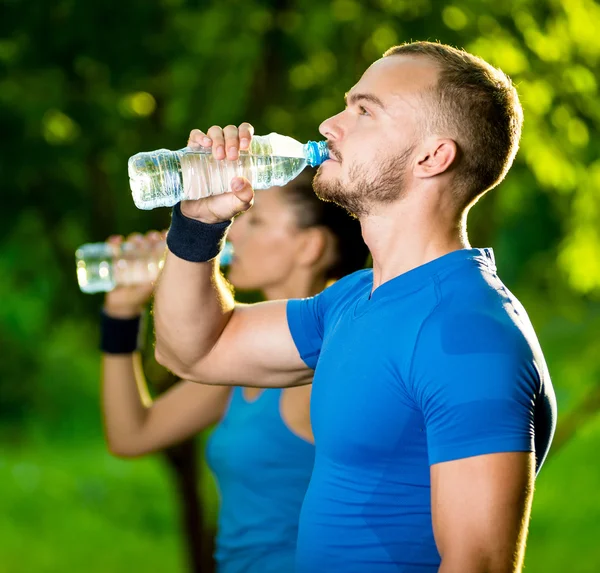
[(477, 106)]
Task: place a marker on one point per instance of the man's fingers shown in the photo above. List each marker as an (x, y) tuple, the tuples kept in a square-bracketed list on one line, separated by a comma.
[(245, 132), (215, 133), (241, 188), (198, 139), (232, 142), (225, 142)]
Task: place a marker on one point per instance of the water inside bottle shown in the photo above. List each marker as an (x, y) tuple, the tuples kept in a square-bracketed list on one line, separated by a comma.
[(203, 176), (102, 267), (275, 171), (155, 178), (162, 178), (94, 268)]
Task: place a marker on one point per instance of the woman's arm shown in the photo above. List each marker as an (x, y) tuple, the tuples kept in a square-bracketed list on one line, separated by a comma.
[(135, 425)]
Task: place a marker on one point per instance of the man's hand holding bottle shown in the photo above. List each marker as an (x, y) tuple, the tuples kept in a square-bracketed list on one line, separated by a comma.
[(226, 143)]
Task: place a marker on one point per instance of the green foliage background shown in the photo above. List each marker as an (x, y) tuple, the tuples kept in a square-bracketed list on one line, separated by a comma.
[(84, 85)]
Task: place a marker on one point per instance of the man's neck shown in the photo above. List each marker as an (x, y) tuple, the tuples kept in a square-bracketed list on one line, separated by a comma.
[(299, 284), (403, 236)]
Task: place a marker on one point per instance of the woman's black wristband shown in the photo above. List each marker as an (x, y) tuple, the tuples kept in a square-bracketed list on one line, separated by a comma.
[(193, 240), (119, 335)]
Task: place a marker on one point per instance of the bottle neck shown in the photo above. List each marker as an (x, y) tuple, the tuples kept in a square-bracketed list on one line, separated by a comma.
[(316, 152)]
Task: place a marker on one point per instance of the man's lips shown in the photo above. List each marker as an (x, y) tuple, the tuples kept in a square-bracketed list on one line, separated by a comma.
[(334, 155)]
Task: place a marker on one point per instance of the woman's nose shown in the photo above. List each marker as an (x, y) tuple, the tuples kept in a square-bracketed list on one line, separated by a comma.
[(232, 235)]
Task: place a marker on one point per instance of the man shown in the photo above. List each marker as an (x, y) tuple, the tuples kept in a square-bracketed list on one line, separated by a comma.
[(432, 406)]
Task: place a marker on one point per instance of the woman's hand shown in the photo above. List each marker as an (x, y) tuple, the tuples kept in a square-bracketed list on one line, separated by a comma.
[(130, 301)]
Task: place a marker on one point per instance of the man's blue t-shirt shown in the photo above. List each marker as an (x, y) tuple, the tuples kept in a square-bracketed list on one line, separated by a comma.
[(437, 364)]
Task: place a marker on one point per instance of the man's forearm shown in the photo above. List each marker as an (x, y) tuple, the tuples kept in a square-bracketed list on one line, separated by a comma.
[(192, 306)]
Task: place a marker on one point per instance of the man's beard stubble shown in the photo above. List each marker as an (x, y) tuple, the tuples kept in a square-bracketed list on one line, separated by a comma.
[(364, 190)]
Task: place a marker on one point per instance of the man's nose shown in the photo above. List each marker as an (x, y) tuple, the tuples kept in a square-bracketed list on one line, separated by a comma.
[(331, 128)]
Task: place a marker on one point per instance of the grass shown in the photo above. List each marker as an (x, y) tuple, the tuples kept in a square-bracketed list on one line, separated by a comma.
[(565, 525), (68, 507), (79, 509)]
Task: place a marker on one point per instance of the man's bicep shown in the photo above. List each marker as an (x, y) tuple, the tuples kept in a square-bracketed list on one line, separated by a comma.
[(480, 511), (255, 349)]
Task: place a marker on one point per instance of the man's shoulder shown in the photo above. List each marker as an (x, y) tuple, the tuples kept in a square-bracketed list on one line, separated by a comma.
[(338, 295), (350, 284), (461, 348), (480, 319), (361, 276)]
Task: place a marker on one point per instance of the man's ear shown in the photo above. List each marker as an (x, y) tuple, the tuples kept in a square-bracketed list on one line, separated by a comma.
[(436, 157)]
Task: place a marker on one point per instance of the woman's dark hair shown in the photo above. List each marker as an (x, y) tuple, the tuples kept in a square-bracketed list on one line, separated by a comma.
[(311, 211)]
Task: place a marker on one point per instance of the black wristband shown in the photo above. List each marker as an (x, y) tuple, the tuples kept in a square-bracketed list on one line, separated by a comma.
[(194, 241), (119, 335)]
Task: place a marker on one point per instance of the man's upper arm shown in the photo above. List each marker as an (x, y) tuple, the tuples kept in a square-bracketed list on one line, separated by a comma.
[(480, 511), (265, 344), (477, 383), (475, 380)]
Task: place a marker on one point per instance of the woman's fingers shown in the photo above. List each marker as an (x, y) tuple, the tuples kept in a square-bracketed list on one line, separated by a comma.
[(115, 239), (153, 236), (135, 238)]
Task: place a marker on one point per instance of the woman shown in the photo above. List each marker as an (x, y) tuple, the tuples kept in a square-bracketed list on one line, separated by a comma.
[(289, 245)]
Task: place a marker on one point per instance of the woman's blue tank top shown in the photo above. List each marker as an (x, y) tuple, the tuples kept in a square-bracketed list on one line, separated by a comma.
[(262, 470)]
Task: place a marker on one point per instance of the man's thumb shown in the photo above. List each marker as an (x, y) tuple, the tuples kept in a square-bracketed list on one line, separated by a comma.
[(241, 188)]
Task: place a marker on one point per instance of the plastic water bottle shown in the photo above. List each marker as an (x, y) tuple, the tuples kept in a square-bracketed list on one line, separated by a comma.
[(163, 178), (101, 267)]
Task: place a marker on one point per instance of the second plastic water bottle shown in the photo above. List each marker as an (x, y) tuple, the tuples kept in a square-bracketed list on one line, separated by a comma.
[(101, 267), (162, 178)]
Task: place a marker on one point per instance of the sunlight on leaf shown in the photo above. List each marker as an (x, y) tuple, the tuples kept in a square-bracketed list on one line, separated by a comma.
[(580, 259), (454, 17), (58, 128), (140, 104)]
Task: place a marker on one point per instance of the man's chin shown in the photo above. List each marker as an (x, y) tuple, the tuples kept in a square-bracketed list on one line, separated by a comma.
[(333, 190), (326, 188)]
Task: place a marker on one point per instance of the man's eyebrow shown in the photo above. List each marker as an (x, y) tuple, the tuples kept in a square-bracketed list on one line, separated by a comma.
[(354, 98)]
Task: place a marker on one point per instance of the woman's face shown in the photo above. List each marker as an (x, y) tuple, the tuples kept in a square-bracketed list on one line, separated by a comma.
[(265, 243)]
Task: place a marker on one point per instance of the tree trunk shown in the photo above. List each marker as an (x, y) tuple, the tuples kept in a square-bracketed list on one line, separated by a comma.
[(183, 463)]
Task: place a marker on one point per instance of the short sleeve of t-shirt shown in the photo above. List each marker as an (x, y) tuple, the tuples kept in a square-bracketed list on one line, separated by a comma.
[(307, 316), (305, 320), (475, 379)]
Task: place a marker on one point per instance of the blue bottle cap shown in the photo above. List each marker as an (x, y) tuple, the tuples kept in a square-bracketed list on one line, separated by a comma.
[(316, 152), (226, 255)]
